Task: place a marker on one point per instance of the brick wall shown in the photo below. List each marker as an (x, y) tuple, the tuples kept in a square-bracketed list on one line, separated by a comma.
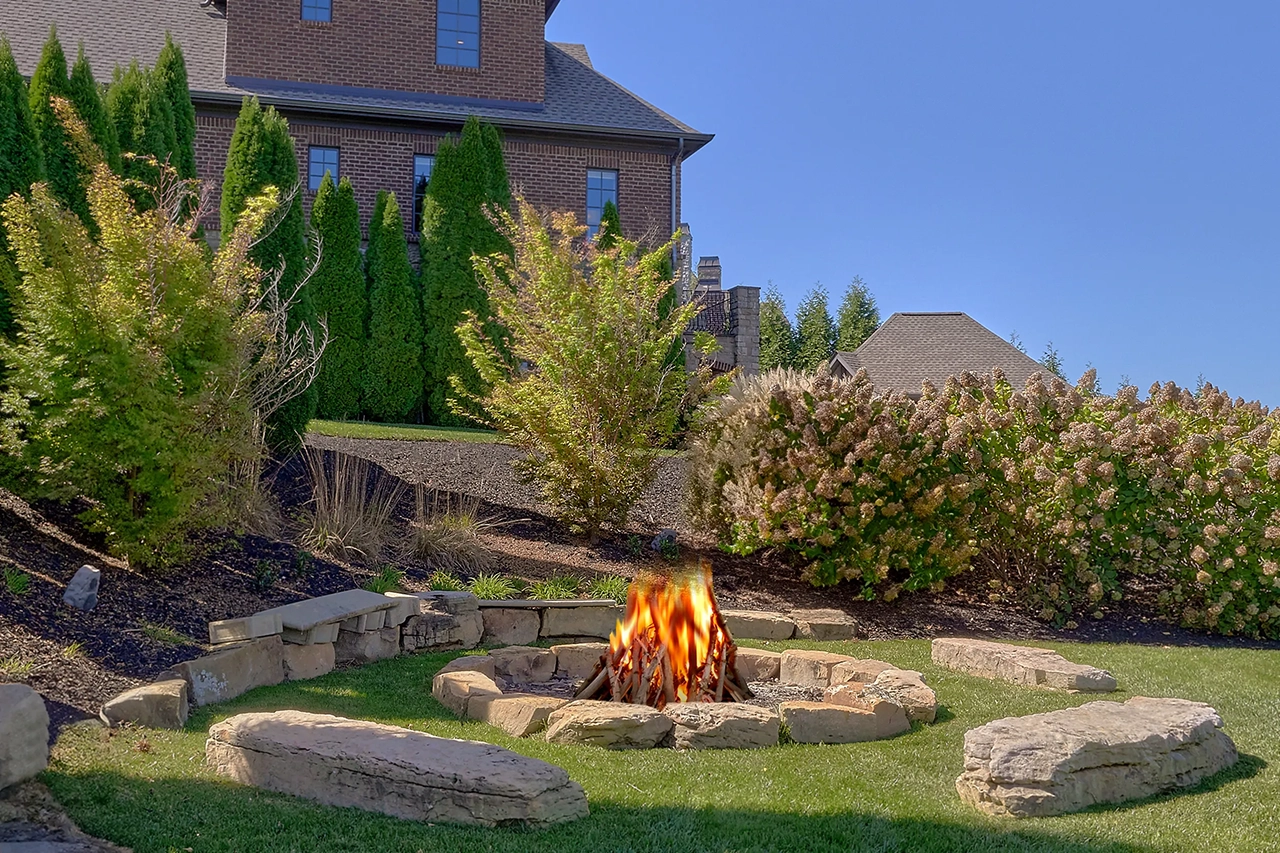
[(552, 175), (389, 44)]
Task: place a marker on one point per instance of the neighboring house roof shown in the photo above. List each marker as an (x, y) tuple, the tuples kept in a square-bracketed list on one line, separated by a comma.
[(909, 348), (578, 98)]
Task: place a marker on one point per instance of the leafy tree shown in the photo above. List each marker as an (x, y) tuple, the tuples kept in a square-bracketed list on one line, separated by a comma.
[(858, 316), (87, 99), (147, 363), (815, 331), (1052, 361), (144, 125), (338, 291), (610, 231), (21, 164), (61, 166), (468, 182), (580, 380), (261, 155), (171, 79), (777, 338), (394, 373)]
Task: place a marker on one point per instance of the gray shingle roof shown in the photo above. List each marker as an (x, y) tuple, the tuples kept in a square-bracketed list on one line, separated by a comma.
[(577, 96), (910, 348)]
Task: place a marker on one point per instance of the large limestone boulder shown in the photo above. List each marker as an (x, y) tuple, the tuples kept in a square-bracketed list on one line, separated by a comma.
[(524, 664), (312, 661), (24, 734), (578, 660), (858, 670), (582, 621), (233, 670), (907, 688), (758, 625), (440, 628), (395, 771), (1100, 752), (722, 725), (367, 646), (482, 664), (758, 665), (826, 722), (162, 705), (1023, 665), (613, 725), (824, 625), (455, 690), (517, 714), (808, 668), (512, 626)]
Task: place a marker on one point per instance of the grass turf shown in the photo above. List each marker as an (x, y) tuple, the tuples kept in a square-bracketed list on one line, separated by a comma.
[(151, 791), (402, 432)]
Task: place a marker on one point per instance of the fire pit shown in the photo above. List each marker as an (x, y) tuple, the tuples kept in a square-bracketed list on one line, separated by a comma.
[(672, 646)]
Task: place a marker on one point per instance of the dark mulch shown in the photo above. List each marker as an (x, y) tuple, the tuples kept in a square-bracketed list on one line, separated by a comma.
[(234, 575)]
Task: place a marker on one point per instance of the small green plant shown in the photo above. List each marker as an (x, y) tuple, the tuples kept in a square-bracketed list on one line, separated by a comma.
[(18, 583), (442, 581), (554, 589), (669, 549), (73, 651), (265, 575), (303, 562), (15, 668), (446, 531), (609, 586), (164, 634), (390, 579), (492, 587)]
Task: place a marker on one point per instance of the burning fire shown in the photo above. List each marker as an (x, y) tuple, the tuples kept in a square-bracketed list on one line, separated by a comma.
[(672, 646)]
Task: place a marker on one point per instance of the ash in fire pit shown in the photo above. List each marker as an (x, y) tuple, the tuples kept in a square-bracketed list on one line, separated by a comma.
[(672, 646)]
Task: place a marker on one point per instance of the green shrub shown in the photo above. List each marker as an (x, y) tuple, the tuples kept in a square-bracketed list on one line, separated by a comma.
[(17, 582), (442, 581), (340, 297), (446, 532), (393, 365), (144, 126), (390, 579), (492, 587), (21, 165), (86, 97), (608, 586), (171, 78), (554, 589)]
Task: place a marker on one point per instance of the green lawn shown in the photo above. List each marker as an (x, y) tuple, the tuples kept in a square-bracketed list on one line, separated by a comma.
[(895, 795), (402, 432)]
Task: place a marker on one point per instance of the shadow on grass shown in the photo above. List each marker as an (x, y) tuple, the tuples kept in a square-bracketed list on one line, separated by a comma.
[(163, 814)]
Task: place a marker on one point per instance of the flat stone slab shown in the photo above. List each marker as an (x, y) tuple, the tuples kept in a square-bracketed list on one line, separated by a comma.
[(808, 668), (482, 664), (161, 705), (524, 664), (262, 624), (1100, 752), (335, 607), (824, 722), (24, 734), (722, 725), (824, 625), (450, 602), (395, 771), (228, 672), (758, 665), (517, 714), (1024, 665), (612, 725), (406, 605), (510, 626), (758, 625), (591, 621), (578, 660), (545, 604)]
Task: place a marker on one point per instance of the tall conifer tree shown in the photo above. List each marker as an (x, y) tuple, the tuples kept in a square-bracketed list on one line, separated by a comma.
[(21, 164), (87, 99), (338, 291), (469, 177), (144, 125), (610, 231), (393, 365), (262, 155), (858, 316), (171, 77), (815, 331), (61, 165), (777, 338)]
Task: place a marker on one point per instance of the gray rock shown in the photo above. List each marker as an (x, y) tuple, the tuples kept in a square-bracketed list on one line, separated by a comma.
[(824, 625), (722, 725), (451, 621), (809, 668), (1024, 665), (517, 714), (450, 602), (162, 705), (596, 621), (524, 664), (758, 625), (827, 722), (82, 592), (262, 624), (578, 660), (24, 734), (509, 626), (1100, 752), (907, 688), (368, 646), (758, 665), (665, 539), (455, 690), (858, 670), (234, 670), (395, 771), (612, 725), (482, 664), (309, 661)]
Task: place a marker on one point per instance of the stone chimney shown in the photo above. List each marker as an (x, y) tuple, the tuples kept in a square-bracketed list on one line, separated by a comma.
[(708, 274)]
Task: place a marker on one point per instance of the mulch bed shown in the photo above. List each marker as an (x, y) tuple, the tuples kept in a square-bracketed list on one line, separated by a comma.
[(79, 660)]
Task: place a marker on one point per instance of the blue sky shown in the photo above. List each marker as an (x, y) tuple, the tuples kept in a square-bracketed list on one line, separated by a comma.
[(1102, 175)]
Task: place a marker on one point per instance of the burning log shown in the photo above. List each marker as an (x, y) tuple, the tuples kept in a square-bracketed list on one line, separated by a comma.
[(672, 646)]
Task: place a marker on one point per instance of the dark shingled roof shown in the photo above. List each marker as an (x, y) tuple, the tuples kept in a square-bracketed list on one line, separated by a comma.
[(577, 96), (910, 348)]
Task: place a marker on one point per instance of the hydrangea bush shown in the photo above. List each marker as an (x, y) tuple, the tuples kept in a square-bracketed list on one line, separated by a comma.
[(1061, 491)]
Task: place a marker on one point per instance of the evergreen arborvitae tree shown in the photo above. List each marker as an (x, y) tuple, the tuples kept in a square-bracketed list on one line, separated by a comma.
[(777, 338), (371, 246), (87, 99), (61, 164), (610, 230), (171, 79), (338, 293), (468, 179), (815, 331), (143, 118), (262, 155), (858, 316), (393, 362), (21, 164)]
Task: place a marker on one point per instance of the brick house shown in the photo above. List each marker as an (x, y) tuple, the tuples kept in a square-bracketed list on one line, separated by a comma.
[(371, 87)]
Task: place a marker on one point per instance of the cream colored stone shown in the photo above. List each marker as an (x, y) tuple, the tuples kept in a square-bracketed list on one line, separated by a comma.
[(824, 625), (578, 660), (758, 665), (517, 714), (524, 664), (482, 664), (395, 771), (233, 670), (1025, 665), (509, 626), (440, 630), (368, 646), (858, 670), (262, 624), (613, 725), (161, 705), (1100, 752), (455, 690), (758, 625), (907, 688), (722, 725), (587, 621), (823, 722), (406, 605), (808, 668), (24, 734), (311, 661)]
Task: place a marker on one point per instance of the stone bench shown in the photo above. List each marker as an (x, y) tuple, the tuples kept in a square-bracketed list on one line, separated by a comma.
[(1100, 752), (1024, 665), (318, 620), (395, 771)]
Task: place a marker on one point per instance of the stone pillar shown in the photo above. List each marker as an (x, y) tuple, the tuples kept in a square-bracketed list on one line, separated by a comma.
[(744, 326)]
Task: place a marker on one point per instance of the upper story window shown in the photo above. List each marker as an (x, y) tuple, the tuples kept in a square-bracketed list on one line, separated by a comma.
[(458, 33), (317, 10), (602, 187), (322, 160), (422, 166)]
